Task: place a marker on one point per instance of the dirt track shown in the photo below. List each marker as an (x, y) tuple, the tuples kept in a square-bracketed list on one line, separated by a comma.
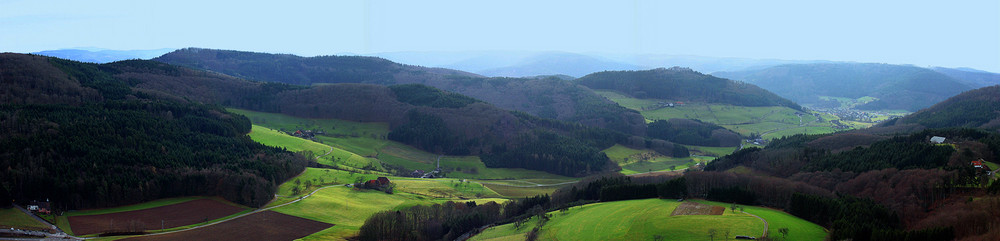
[(176, 215), (267, 225)]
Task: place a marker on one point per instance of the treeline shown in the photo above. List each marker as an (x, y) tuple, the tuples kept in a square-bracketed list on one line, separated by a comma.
[(692, 132), (122, 152), (859, 219), (549, 152), (683, 84), (422, 95), (898, 152), (975, 108), (788, 155)]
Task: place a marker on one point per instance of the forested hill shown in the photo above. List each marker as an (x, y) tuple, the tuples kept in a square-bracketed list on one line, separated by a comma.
[(895, 86), (421, 116), (979, 108), (546, 97), (79, 135), (683, 84)]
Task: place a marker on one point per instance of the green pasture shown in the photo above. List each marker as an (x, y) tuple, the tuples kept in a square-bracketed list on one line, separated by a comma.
[(348, 208), (507, 232), (625, 157), (799, 229), (741, 119), (271, 137), (15, 218), (643, 220)]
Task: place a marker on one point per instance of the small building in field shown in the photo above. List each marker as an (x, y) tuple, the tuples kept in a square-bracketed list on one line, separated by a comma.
[(376, 183), (417, 173), (937, 140), (40, 207), (977, 163), (745, 237)]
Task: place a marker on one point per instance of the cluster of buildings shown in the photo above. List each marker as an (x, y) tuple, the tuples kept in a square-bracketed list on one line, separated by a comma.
[(305, 134)]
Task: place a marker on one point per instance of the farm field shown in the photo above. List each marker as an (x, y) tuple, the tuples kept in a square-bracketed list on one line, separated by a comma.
[(267, 225), (349, 208), (506, 232), (521, 191), (312, 179), (370, 149), (643, 220), (635, 161), (741, 119), (172, 215), (710, 150), (332, 127), (14, 218), (799, 229), (271, 137)]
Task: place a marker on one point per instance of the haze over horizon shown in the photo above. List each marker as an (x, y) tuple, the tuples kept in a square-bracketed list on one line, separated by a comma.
[(922, 33)]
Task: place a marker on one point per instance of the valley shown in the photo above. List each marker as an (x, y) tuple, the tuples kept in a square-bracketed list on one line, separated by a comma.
[(211, 155)]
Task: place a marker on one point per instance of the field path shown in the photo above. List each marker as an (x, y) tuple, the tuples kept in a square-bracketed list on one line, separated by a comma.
[(764, 234)]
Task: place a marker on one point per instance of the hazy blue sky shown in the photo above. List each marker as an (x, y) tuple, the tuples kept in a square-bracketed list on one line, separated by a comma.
[(940, 33)]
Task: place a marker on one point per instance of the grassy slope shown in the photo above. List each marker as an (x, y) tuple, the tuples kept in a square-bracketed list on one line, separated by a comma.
[(799, 229), (357, 145), (14, 218), (349, 208), (641, 220), (741, 119), (619, 153), (506, 232), (271, 137)]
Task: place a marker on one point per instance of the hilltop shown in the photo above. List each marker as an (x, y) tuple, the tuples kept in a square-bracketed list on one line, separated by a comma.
[(979, 108), (971, 77), (683, 84), (80, 135), (546, 97), (894, 87), (433, 120)]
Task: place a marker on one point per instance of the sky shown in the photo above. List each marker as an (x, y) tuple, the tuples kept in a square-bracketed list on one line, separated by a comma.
[(922, 33)]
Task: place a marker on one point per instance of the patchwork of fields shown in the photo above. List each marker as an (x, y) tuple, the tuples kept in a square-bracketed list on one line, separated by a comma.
[(650, 219), (770, 122), (319, 207)]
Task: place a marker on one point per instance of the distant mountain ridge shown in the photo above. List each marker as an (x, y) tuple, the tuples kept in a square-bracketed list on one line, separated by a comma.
[(971, 77), (101, 56), (683, 84), (575, 65), (545, 97), (895, 86)]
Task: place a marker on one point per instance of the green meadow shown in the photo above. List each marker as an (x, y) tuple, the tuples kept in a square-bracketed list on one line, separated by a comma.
[(770, 121), (348, 208), (799, 229), (635, 161), (14, 218), (643, 220), (271, 137)]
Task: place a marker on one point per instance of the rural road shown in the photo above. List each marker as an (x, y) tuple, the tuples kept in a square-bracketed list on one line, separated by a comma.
[(764, 234)]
